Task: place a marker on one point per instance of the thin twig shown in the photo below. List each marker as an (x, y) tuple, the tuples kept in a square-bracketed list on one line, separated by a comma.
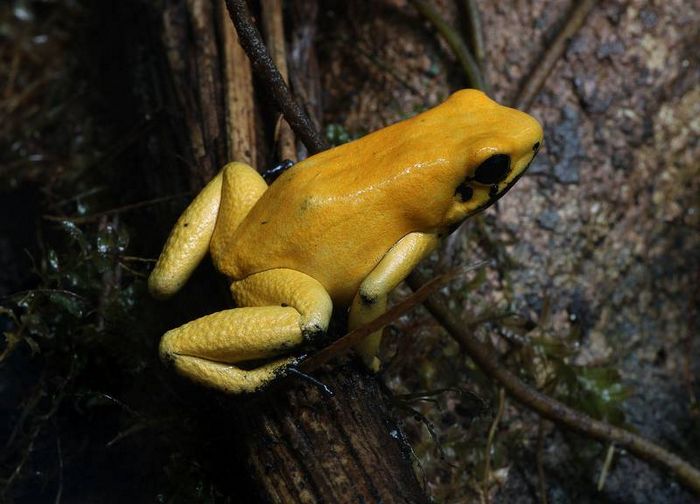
[(489, 442), (133, 429), (241, 133), (476, 34), (456, 43), (541, 481), (265, 68), (59, 455), (273, 24), (535, 80), (380, 64), (549, 408), (606, 467), (66, 292), (83, 219)]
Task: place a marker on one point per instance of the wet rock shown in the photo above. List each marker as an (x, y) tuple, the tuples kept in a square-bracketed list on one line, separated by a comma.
[(611, 48), (566, 146), (648, 17), (548, 220), (592, 99)]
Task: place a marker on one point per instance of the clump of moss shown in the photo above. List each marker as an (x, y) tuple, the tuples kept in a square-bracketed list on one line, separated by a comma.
[(86, 414)]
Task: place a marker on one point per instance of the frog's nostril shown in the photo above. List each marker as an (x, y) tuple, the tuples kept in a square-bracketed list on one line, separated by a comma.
[(493, 170), (536, 147), (465, 191)]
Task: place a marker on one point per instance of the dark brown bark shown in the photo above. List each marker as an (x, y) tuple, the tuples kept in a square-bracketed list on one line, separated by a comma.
[(307, 447), (302, 446)]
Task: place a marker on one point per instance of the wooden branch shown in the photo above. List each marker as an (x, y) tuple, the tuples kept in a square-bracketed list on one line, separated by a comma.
[(299, 445), (264, 67), (238, 92), (536, 79), (195, 75), (475, 32), (456, 43), (303, 61), (274, 36), (307, 447)]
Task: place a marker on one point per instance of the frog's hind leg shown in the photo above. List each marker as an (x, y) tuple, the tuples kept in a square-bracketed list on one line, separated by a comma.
[(206, 224), (281, 310), (271, 174), (188, 242), (370, 301), (241, 188)]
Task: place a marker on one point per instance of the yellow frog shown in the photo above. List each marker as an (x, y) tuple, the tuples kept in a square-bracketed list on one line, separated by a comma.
[(341, 228)]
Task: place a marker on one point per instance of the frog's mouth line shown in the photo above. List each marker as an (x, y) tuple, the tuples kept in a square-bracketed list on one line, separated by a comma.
[(493, 199)]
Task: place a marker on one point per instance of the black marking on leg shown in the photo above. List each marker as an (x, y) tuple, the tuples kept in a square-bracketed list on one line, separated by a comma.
[(313, 333), (168, 359), (271, 175), (366, 299)]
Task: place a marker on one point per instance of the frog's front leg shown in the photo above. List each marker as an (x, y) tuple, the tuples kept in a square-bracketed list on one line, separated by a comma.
[(370, 301), (281, 309)]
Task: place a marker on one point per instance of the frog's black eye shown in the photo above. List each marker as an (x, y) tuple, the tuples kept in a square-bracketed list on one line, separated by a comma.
[(493, 170)]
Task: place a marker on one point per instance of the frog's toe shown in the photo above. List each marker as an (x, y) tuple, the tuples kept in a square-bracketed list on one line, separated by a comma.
[(229, 378), (374, 364)]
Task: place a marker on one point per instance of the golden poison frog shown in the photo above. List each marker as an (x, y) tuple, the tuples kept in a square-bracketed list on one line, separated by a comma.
[(339, 229)]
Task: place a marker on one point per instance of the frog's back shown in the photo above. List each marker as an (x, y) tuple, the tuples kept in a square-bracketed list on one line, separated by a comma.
[(332, 221), (334, 215)]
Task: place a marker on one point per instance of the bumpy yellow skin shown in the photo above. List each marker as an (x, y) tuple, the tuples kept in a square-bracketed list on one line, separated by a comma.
[(341, 228)]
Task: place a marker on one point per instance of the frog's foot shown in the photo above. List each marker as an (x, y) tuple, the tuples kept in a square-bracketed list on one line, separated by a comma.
[(271, 174), (370, 301), (229, 378), (283, 309)]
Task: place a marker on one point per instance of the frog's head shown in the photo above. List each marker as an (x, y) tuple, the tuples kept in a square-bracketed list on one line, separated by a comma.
[(491, 148)]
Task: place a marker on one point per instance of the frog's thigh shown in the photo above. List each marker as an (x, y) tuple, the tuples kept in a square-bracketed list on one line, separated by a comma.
[(283, 307), (286, 287), (371, 299), (210, 219), (207, 349), (241, 188), (188, 242)]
